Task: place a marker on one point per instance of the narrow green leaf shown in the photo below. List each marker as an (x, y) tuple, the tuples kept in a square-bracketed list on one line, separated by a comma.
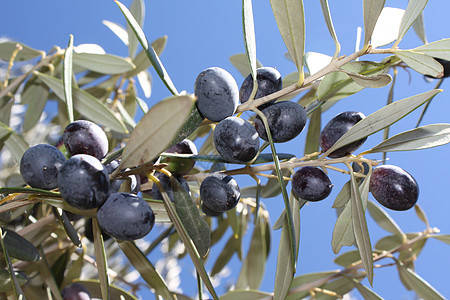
[(420, 62), (118, 30), (156, 130), (68, 227), (240, 62), (285, 260), (348, 258), (413, 10), (360, 229), (27, 53), (377, 81), (250, 41), (152, 55), (18, 247), (329, 21), (419, 28), (137, 10), (193, 121), (15, 143), (289, 15), (415, 139), (18, 293), (246, 295), (67, 78), (142, 105), (371, 11), (103, 63), (197, 228), (366, 292), (100, 258), (224, 257), (6, 284), (35, 95), (312, 143), (344, 196), (387, 27), (391, 242), (421, 215), (439, 49), (85, 104), (298, 290), (442, 237), (141, 60), (343, 230), (384, 220), (382, 118), (116, 292), (422, 288), (146, 269), (145, 81), (253, 268)]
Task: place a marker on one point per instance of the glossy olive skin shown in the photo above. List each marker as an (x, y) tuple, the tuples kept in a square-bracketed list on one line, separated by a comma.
[(166, 185), (85, 137), (180, 165), (83, 181), (39, 166), (219, 192), (209, 212), (336, 128), (75, 291), (236, 140), (269, 82), (286, 119), (217, 94), (125, 216), (89, 231), (311, 184), (393, 187), (357, 168)]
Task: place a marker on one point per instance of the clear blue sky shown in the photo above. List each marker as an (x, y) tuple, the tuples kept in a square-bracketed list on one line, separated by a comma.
[(203, 34)]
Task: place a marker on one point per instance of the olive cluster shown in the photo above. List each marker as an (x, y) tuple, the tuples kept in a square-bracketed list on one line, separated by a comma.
[(237, 141), (84, 183)]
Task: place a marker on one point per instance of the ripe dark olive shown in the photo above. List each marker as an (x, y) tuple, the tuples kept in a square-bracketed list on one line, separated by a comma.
[(166, 185), (217, 94), (180, 165), (126, 216), (39, 166), (219, 192), (393, 187), (336, 128), (286, 120), (236, 140), (115, 184), (83, 181), (357, 168), (89, 232), (269, 81), (85, 137), (75, 291), (311, 184), (209, 212)]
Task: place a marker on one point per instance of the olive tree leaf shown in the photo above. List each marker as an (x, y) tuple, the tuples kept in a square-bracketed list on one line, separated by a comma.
[(93, 286), (416, 139), (137, 10), (420, 213), (366, 292), (371, 12), (103, 63), (118, 30), (197, 228), (27, 53), (100, 258), (67, 78), (18, 247), (347, 258), (145, 81), (156, 130), (312, 143), (224, 257), (85, 104), (18, 293), (315, 61), (343, 230), (382, 118), (419, 28), (286, 258), (422, 288), (35, 96), (420, 62), (151, 53), (240, 62), (290, 18), (439, 49), (141, 60), (329, 21), (377, 81), (413, 10), (15, 142), (387, 27), (250, 41), (384, 220), (442, 237), (253, 268), (360, 229), (245, 295), (6, 284), (146, 269)]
